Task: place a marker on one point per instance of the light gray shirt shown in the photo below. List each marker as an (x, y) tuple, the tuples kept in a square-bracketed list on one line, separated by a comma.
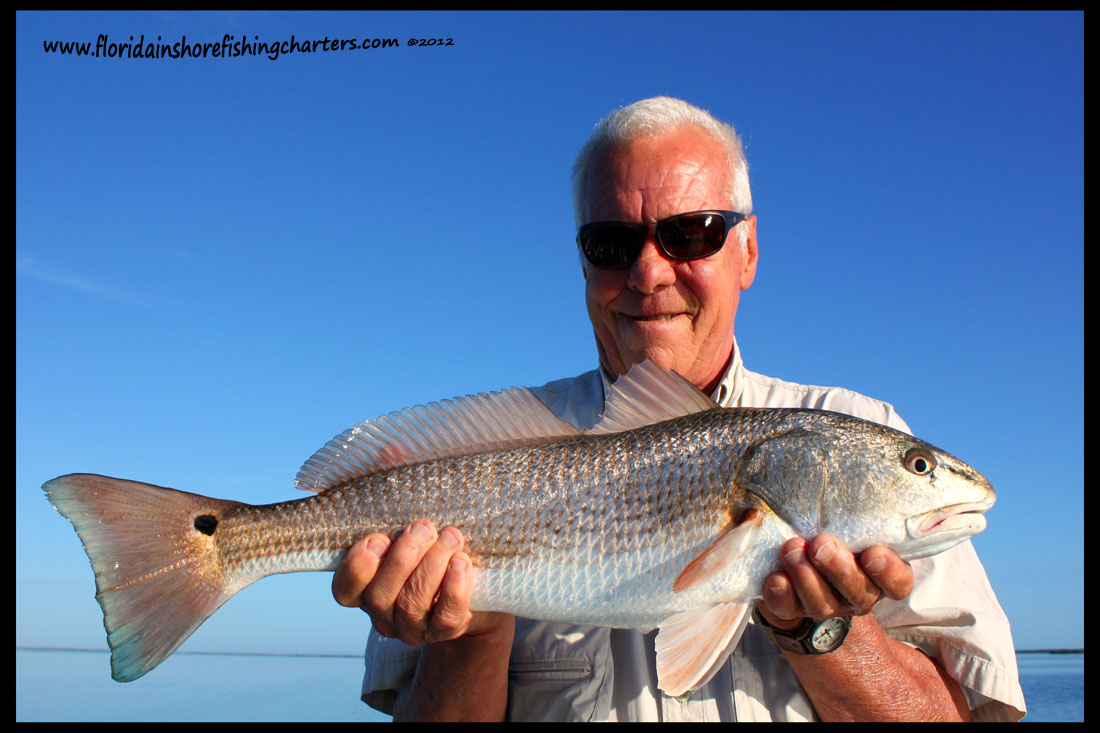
[(572, 672)]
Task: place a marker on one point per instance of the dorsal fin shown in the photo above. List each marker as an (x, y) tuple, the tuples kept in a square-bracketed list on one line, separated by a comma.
[(455, 427), (648, 394)]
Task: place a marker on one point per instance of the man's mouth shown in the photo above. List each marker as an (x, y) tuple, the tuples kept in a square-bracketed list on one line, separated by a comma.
[(665, 317)]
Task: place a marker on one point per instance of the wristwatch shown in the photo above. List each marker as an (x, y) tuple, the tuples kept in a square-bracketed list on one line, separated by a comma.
[(812, 637)]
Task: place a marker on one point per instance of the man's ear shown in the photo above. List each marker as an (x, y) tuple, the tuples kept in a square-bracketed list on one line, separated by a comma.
[(751, 254)]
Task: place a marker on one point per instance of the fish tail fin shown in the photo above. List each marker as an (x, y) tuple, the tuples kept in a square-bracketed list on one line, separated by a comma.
[(157, 568)]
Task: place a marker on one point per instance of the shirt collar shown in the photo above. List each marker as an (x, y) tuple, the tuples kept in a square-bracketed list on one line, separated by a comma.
[(732, 384)]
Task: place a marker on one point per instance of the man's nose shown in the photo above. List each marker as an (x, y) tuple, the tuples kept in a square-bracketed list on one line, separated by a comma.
[(652, 270)]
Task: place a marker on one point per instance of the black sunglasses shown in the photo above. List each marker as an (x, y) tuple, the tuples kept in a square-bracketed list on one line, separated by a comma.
[(690, 236)]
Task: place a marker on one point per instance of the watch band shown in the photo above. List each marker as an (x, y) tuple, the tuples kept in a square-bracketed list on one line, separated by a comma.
[(811, 637)]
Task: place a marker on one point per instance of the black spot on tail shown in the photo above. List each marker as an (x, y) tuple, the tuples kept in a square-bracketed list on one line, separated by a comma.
[(206, 523)]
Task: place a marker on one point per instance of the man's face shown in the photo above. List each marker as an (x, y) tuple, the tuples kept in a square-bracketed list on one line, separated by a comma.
[(678, 314)]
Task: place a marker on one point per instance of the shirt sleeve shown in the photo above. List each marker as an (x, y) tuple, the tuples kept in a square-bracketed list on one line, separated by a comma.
[(390, 665), (953, 616)]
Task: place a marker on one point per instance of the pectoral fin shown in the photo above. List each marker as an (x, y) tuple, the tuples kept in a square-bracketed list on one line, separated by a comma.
[(722, 554), (692, 645)]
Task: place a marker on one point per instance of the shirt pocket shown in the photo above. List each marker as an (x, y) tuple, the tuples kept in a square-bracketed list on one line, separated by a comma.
[(557, 673)]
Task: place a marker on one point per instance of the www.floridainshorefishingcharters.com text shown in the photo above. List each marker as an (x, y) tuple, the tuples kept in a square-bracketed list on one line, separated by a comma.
[(229, 47)]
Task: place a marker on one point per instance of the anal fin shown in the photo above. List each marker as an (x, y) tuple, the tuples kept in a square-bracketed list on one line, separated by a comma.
[(692, 645)]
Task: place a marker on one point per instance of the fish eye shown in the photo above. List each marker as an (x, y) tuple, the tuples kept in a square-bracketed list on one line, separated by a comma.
[(919, 462)]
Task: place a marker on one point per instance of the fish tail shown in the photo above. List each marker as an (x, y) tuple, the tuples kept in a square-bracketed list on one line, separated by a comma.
[(157, 568)]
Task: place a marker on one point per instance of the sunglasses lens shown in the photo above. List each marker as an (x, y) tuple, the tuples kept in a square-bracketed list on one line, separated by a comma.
[(616, 245), (692, 236), (610, 245)]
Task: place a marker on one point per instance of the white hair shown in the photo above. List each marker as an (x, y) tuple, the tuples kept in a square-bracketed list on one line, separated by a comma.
[(655, 116)]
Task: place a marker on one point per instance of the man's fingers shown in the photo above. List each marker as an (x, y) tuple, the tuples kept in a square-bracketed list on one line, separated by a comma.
[(781, 602), (817, 597), (415, 602), (888, 571), (358, 568), (451, 614), (405, 553), (842, 572), (416, 587), (822, 578)]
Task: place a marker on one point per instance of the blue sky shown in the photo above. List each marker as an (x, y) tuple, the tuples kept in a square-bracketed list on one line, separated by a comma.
[(223, 262)]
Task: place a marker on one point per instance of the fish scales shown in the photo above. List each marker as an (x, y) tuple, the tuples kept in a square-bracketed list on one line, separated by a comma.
[(593, 493), (668, 513), (539, 513)]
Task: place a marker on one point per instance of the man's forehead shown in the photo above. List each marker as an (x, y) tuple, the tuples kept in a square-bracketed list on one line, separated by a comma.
[(655, 177), (668, 196)]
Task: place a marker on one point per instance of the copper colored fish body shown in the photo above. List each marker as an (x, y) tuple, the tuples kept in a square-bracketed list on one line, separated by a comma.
[(668, 514)]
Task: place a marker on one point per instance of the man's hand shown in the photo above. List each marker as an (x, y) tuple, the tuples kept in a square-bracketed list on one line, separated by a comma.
[(415, 587), (822, 578), (872, 676)]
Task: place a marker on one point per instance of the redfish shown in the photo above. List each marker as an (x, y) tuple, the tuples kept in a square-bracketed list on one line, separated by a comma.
[(668, 514)]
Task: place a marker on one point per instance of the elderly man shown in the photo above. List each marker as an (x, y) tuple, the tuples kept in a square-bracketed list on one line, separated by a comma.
[(926, 641)]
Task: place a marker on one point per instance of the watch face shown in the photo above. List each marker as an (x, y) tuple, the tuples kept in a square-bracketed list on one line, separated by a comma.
[(829, 634)]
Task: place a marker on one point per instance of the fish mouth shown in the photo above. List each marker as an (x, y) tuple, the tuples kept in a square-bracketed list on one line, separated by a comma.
[(940, 529), (961, 520)]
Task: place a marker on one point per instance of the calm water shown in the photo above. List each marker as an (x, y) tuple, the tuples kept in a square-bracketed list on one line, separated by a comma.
[(77, 686), (1054, 686)]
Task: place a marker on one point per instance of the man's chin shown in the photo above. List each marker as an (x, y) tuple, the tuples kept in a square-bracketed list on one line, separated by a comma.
[(654, 336), (662, 357)]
